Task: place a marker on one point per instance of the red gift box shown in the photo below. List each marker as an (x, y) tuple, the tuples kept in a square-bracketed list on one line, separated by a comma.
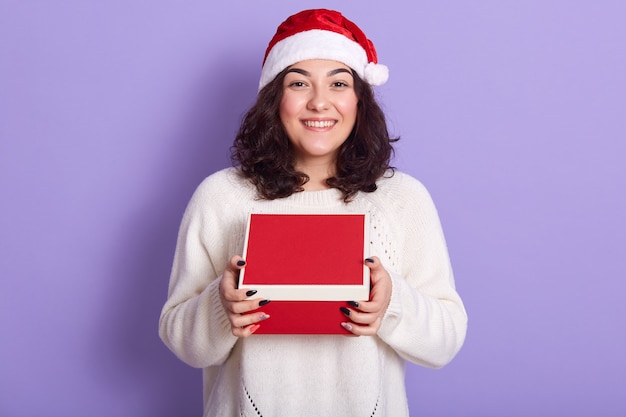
[(308, 265)]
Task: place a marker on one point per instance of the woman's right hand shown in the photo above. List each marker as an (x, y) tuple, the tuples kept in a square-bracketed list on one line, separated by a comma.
[(235, 303)]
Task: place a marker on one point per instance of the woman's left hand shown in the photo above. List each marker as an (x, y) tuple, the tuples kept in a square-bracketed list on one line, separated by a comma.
[(366, 316)]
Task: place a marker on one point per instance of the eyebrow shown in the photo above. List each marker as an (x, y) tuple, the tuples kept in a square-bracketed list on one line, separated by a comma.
[(328, 74)]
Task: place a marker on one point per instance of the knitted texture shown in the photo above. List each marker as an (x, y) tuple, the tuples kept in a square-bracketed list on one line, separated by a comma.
[(313, 375)]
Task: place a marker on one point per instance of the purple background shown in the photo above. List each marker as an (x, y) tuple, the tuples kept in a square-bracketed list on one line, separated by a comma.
[(513, 113)]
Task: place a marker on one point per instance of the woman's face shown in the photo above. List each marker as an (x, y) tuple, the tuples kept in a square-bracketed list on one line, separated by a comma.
[(318, 109)]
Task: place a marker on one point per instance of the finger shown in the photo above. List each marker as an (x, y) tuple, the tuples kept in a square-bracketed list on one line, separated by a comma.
[(245, 331), (361, 330), (235, 295), (229, 286), (370, 306), (245, 325), (349, 327), (377, 270), (374, 264), (359, 317), (364, 306), (244, 306), (244, 320), (375, 305), (381, 284), (237, 262)]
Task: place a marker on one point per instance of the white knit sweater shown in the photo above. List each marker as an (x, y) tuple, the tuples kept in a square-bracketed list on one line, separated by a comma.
[(313, 375)]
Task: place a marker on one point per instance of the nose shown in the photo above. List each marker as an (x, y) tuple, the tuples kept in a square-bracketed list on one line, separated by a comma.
[(318, 100)]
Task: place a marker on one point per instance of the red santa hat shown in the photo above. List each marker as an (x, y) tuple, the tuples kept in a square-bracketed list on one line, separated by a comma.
[(322, 34)]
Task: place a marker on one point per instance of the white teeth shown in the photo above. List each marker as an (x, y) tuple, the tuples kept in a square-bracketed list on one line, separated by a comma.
[(319, 124)]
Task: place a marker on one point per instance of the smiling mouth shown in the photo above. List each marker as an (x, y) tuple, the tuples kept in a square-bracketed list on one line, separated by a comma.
[(319, 123)]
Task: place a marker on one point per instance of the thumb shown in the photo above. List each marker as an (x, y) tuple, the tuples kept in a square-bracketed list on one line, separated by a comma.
[(373, 263), (377, 270), (235, 264)]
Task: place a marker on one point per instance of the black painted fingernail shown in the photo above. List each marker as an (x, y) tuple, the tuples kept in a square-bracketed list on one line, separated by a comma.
[(263, 302), (353, 304), (251, 293), (241, 263), (344, 311), (370, 260)]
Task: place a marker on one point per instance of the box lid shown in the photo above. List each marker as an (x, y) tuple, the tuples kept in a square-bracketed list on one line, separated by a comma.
[(313, 257)]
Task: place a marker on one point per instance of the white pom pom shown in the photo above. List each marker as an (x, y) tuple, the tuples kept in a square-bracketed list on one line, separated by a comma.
[(376, 74)]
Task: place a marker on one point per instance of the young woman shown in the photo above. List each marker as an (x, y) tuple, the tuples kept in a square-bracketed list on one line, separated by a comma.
[(316, 141)]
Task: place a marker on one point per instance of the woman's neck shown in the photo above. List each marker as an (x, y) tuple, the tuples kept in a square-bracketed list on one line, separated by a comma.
[(318, 173)]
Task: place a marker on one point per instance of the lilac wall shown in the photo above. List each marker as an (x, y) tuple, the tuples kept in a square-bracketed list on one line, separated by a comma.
[(512, 113)]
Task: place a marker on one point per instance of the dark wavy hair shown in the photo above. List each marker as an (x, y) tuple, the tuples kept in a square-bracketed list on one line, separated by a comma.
[(264, 153)]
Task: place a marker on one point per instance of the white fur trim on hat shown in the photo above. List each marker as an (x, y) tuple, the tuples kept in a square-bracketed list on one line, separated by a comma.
[(321, 44), (375, 74)]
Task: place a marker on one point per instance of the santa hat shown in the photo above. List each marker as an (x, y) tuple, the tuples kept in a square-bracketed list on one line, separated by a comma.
[(322, 34)]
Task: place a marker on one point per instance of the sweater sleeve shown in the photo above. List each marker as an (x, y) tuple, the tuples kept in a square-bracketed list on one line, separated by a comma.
[(193, 322), (426, 321)]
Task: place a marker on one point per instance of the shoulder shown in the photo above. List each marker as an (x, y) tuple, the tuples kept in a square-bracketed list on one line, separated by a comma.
[(403, 195), (224, 188), (405, 201), (400, 186), (225, 182)]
